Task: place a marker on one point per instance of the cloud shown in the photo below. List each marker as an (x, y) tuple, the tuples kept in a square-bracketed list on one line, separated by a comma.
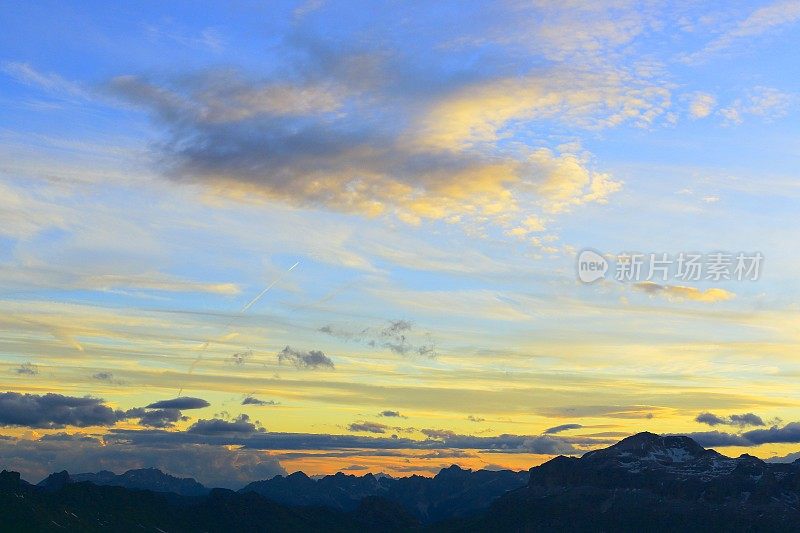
[(438, 439), (208, 38), (398, 336), (788, 434), (446, 454), (390, 414), (746, 419), (702, 105), (331, 132), (214, 466), (760, 21), (719, 438), (765, 102), (107, 377), (742, 420), (161, 418), (156, 281), (250, 400), (27, 212), (356, 467), (306, 360), (184, 402), (710, 419), (27, 369), (545, 444), (562, 427), (473, 418), (53, 83), (681, 292), (53, 411), (478, 113), (394, 337), (367, 427), (240, 358), (438, 433), (609, 411), (239, 425)]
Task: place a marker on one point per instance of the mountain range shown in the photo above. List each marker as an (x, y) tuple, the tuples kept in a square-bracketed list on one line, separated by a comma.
[(644, 482)]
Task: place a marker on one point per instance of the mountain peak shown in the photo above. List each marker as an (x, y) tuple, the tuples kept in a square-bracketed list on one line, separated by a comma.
[(452, 472), (646, 445), (141, 478), (55, 481), (10, 480)]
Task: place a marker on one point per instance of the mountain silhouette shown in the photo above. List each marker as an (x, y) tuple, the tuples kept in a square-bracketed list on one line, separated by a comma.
[(646, 482), (649, 482), (451, 493), (141, 478)]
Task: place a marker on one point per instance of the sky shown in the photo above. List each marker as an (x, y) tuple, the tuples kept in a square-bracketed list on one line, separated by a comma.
[(248, 239)]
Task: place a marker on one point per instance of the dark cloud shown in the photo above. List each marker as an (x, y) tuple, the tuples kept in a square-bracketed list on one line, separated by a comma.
[(746, 419), (214, 466), (390, 413), (718, 438), (397, 331), (368, 427), (238, 425), (563, 427), (309, 360), (356, 467), (156, 418), (53, 411), (447, 454), (396, 336), (240, 358), (161, 418), (540, 444), (307, 144), (476, 419), (250, 400), (184, 402), (438, 433), (709, 418), (742, 420), (438, 440), (351, 127), (107, 377), (27, 369), (68, 437), (340, 454), (789, 433)]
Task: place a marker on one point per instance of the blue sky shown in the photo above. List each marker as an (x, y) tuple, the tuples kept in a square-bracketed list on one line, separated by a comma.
[(434, 170)]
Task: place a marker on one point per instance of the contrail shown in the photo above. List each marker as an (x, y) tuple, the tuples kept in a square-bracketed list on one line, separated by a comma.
[(232, 320), (265, 291)]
